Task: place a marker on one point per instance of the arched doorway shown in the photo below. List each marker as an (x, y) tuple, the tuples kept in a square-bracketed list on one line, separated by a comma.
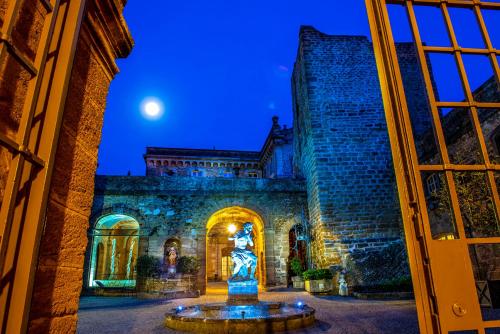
[(114, 252), (218, 250)]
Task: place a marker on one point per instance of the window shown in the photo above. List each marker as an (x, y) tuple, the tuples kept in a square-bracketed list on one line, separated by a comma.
[(432, 184), (496, 140), (252, 174), (196, 173)]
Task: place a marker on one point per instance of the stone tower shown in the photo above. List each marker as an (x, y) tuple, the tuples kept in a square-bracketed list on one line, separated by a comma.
[(342, 150)]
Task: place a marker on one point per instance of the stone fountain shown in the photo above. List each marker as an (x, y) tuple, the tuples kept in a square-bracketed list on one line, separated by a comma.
[(243, 312)]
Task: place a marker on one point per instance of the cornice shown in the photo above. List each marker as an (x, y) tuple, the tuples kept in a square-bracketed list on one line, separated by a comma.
[(105, 29)]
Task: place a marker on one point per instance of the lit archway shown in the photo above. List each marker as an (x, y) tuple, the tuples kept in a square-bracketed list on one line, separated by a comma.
[(114, 252), (218, 259)]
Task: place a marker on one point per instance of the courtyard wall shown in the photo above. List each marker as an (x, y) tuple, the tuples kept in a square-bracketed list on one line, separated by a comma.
[(180, 207)]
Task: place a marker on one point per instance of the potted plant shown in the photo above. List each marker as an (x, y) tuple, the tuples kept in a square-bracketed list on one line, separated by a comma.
[(297, 269), (318, 280)]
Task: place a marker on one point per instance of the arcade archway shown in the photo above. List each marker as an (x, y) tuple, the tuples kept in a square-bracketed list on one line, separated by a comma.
[(219, 227), (114, 252)]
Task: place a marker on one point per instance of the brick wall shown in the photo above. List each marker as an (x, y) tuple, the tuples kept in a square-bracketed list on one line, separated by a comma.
[(342, 149)]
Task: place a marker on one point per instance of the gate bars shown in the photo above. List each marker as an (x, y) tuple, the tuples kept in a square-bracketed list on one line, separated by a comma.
[(444, 302)]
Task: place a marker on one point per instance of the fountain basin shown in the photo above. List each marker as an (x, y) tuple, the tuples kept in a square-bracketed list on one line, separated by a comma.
[(242, 319)]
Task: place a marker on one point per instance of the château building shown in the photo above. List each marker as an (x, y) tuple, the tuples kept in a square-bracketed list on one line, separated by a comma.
[(275, 159), (323, 191)]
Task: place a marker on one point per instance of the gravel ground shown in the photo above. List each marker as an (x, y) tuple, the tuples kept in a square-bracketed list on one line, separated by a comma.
[(333, 314)]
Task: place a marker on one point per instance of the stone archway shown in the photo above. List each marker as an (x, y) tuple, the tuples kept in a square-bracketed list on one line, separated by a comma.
[(114, 252), (218, 263)]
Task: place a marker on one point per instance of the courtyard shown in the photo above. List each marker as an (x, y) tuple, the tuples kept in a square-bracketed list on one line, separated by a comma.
[(333, 314)]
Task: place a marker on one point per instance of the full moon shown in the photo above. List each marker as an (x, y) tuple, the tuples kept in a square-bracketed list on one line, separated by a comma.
[(152, 108)]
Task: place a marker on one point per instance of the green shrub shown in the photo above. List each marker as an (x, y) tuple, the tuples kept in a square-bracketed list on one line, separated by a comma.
[(296, 266), (188, 265), (148, 266), (317, 274)]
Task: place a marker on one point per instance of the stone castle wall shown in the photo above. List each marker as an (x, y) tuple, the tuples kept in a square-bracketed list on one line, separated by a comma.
[(180, 207), (342, 149)]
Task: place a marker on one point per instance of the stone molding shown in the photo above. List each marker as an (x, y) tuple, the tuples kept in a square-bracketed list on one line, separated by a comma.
[(106, 31), (110, 185)]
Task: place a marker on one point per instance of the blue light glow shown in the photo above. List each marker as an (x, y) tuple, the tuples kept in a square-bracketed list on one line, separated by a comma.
[(152, 108)]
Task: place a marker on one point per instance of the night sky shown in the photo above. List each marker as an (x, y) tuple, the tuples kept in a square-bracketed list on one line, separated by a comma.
[(221, 69)]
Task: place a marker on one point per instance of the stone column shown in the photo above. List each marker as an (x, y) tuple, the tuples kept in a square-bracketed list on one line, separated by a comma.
[(269, 236), (58, 282), (201, 251)]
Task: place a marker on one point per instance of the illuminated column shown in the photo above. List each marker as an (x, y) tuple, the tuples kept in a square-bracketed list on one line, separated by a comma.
[(130, 255), (93, 269), (113, 254)]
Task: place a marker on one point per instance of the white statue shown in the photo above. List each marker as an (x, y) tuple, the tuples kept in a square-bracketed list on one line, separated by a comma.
[(343, 290), (241, 256)]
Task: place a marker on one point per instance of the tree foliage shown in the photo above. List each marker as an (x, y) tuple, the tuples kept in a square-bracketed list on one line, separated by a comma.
[(148, 266), (296, 266), (188, 265)]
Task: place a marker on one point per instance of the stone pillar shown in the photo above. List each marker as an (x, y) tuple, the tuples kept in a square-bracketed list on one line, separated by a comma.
[(269, 236), (201, 279), (58, 282), (143, 245)]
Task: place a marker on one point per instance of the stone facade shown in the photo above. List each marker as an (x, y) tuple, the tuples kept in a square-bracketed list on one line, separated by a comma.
[(338, 147), (342, 149), (58, 282), (180, 207), (274, 160), (277, 153), (201, 163)]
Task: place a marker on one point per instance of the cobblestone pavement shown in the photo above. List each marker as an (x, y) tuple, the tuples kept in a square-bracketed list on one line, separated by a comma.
[(333, 314)]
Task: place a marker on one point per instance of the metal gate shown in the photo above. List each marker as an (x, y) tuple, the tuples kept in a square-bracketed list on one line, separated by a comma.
[(449, 194), (28, 147)]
